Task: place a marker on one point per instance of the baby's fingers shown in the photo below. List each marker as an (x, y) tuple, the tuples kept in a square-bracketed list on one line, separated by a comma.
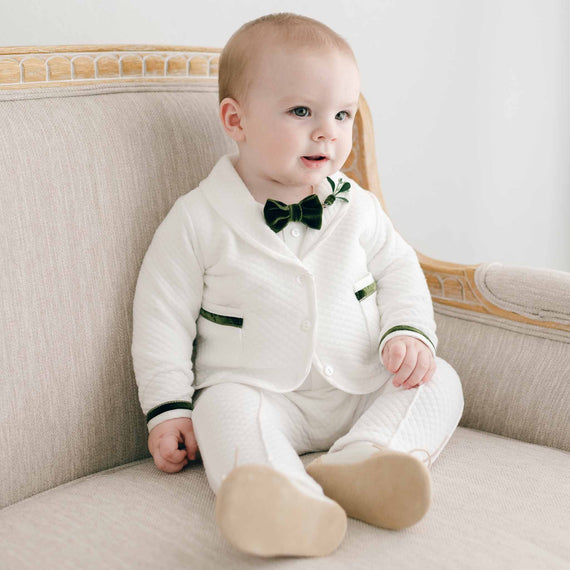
[(168, 466), (168, 449), (394, 355), (420, 371), (408, 366), (190, 443)]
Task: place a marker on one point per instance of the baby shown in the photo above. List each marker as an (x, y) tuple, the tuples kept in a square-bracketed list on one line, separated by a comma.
[(277, 312)]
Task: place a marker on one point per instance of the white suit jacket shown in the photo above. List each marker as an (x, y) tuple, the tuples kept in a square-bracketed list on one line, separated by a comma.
[(221, 298)]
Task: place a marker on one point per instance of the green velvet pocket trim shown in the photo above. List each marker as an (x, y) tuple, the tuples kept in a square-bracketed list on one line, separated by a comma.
[(222, 319), (366, 292), (405, 328), (167, 407)]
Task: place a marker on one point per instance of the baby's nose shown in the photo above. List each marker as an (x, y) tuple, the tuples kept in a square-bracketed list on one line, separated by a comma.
[(325, 133), (325, 129)]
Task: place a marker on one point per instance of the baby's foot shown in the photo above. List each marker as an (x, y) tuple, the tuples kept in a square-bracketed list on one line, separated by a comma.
[(260, 511), (386, 488)]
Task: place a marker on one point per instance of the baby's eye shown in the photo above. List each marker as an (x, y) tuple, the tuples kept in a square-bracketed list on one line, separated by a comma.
[(345, 112), (304, 111)]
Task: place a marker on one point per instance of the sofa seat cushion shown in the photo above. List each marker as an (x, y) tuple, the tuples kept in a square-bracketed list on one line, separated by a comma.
[(497, 503)]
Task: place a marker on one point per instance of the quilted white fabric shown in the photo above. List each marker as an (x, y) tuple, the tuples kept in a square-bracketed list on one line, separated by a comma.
[(237, 424), (214, 251)]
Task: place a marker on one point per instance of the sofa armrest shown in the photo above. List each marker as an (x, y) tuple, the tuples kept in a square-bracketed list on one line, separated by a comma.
[(506, 330), (524, 294)]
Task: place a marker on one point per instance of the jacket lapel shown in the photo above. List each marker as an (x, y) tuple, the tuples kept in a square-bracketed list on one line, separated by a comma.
[(227, 194), (230, 198)]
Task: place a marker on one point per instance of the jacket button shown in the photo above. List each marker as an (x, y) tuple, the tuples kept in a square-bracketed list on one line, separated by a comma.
[(328, 370), (295, 232), (306, 325)]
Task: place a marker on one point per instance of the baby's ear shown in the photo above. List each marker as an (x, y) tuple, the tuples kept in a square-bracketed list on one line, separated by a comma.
[(231, 117)]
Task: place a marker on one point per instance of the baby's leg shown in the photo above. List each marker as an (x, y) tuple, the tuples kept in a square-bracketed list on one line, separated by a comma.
[(419, 421), (236, 424), (266, 503), (384, 450)]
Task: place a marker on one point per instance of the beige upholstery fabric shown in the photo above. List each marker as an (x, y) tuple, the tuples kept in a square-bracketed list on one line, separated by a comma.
[(515, 377), (86, 176), (542, 294), (493, 499)]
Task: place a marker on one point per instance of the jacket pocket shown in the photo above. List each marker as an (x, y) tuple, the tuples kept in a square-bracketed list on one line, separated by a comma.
[(220, 342), (365, 287), (365, 291), (225, 320)]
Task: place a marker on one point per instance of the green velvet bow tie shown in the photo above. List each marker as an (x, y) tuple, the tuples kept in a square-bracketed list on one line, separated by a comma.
[(309, 211)]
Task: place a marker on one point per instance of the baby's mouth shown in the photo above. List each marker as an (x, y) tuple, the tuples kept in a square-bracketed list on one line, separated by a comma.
[(315, 161)]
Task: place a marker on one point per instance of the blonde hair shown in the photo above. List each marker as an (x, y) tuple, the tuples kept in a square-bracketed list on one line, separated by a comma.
[(240, 55)]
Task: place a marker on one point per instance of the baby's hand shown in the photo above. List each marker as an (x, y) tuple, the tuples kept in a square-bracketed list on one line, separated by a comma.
[(410, 360), (163, 441)]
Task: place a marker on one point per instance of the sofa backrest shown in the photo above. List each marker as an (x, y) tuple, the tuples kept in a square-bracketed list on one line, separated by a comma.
[(86, 176)]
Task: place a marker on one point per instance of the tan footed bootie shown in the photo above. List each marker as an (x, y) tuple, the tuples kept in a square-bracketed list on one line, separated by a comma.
[(382, 487), (260, 511)]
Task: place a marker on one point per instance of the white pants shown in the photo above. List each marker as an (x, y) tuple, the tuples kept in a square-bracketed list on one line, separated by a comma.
[(236, 424)]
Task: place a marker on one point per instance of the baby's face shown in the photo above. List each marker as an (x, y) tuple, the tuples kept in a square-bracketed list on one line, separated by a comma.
[(301, 104)]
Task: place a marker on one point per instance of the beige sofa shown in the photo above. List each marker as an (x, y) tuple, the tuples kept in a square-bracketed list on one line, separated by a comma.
[(96, 144)]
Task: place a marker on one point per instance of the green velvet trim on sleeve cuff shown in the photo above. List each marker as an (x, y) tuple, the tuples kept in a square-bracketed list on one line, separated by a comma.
[(222, 319), (167, 407), (406, 328), (366, 292)]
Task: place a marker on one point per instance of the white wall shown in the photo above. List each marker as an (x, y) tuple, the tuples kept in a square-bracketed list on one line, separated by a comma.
[(470, 101)]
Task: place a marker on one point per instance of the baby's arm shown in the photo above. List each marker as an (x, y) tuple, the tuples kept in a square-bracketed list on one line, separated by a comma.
[(404, 303), (166, 306)]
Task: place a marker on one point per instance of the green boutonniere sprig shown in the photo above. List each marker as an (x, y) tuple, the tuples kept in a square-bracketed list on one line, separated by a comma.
[(340, 188)]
